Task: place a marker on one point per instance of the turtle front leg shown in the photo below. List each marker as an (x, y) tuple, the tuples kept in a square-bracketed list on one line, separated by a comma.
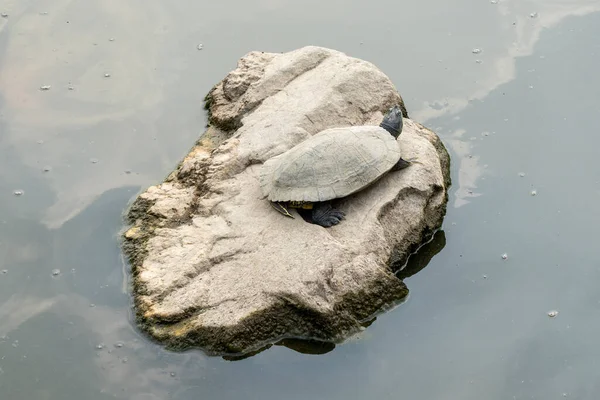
[(325, 215), (401, 164)]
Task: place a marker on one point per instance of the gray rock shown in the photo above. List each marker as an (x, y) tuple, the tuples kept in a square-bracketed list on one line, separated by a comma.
[(215, 266)]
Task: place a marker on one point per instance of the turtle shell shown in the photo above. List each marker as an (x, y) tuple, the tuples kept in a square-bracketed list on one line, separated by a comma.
[(331, 164)]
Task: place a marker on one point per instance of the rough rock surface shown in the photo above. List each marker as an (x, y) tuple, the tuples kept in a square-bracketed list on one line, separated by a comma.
[(215, 266)]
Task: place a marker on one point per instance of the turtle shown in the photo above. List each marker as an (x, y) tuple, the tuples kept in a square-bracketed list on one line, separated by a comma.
[(332, 164)]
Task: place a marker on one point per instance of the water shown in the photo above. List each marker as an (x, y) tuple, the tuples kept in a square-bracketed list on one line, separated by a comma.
[(475, 325)]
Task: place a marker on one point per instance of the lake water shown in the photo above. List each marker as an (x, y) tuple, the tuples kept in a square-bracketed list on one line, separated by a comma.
[(517, 118)]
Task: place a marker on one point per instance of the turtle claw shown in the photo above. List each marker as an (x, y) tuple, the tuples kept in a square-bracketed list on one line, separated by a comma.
[(282, 209), (325, 215)]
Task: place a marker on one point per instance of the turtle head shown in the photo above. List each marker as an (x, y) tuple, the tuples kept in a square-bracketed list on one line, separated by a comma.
[(392, 122)]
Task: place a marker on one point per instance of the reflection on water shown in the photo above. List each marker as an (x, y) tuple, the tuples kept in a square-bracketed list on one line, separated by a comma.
[(475, 326), (304, 346), (307, 346), (421, 259)]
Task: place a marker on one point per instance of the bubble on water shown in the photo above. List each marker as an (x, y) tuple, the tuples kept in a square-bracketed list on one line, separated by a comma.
[(40, 141), (200, 46), (4, 15), (476, 50), (92, 305), (112, 39), (124, 360), (99, 346), (478, 61), (485, 277), (72, 270), (173, 374), (494, 1), (534, 192), (552, 313), (15, 343), (55, 272), (127, 171), (4, 271), (70, 87), (43, 12), (504, 256), (18, 192), (45, 87), (107, 75), (47, 168), (118, 345), (94, 160), (533, 15), (521, 174)]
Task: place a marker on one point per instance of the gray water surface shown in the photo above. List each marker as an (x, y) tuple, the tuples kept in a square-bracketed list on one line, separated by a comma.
[(475, 326)]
